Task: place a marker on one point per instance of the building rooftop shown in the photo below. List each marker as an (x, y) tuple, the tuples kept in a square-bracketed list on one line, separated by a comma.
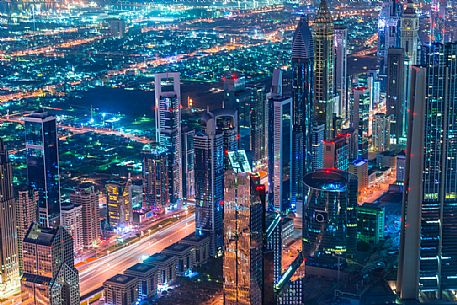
[(40, 235), (328, 180), (37, 279), (194, 238), (140, 267), (178, 247), (157, 258), (120, 279)]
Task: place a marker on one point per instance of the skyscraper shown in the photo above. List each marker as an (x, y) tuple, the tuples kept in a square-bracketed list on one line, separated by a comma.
[(87, 197), (427, 261), (188, 188), (155, 179), (209, 183), (329, 216), (388, 32), (360, 119), (258, 121), (9, 259), (341, 34), (168, 127), (244, 233), (438, 21), (227, 124), (409, 32), (26, 214), (324, 66), (72, 222), (381, 132), (49, 273), (43, 165), (280, 154), (118, 204), (396, 104), (302, 100)]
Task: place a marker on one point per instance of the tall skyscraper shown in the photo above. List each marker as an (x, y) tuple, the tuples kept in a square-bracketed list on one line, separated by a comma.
[(43, 165), (329, 216), (258, 127), (9, 258), (155, 179), (87, 197), (49, 273), (317, 143), (336, 152), (280, 154), (360, 119), (438, 21), (341, 34), (381, 132), (188, 179), (244, 233), (168, 127), (324, 69), (26, 214), (72, 222), (409, 32), (118, 204), (227, 124), (388, 33), (428, 258), (396, 104), (302, 100), (209, 183)]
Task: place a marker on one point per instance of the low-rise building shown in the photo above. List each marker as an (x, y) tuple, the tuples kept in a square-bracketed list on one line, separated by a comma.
[(147, 279), (201, 247), (184, 254), (121, 289), (165, 266)]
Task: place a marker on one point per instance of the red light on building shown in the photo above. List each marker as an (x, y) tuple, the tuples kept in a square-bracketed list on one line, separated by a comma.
[(260, 188), (221, 202)]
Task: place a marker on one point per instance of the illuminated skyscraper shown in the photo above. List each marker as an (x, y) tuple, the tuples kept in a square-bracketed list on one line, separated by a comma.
[(409, 32), (341, 34), (396, 104), (9, 259), (302, 100), (26, 214), (324, 69), (155, 179), (49, 273), (227, 124), (43, 165), (329, 216), (168, 127), (118, 204), (209, 183), (258, 121), (244, 227), (188, 188), (381, 132), (87, 197), (360, 119), (388, 32), (438, 21), (428, 258), (72, 222)]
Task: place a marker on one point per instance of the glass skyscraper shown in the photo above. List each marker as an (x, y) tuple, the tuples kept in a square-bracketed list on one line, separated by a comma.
[(428, 255), (43, 165)]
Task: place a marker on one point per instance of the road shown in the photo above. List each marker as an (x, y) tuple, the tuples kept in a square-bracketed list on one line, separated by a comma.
[(92, 275)]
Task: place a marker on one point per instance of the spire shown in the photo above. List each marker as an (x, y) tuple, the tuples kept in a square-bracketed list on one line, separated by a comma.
[(302, 44), (410, 10), (323, 13)]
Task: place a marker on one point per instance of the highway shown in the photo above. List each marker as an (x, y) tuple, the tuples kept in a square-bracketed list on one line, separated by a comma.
[(92, 275)]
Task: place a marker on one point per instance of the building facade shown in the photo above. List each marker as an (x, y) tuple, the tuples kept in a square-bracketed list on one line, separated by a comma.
[(87, 197)]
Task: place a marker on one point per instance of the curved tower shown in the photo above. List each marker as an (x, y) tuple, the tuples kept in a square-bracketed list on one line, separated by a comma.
[(302, 99)]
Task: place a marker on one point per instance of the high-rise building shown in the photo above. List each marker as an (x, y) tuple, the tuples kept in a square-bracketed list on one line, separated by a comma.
[(438, 21), (168, 128), (341, 34), (87, 197), (118, 204), (324, 66), (41, 145), (388, 33), (381, 132), (370, 223), (401, 167), (26, 214), (258, 127), (396, 104), (49, 274), (409, 32), (227, 124), (72, 222), (280, 154), (359, 168), (318, 136), (188, 189), (9, 258), (427, 261), (302, 100), (209, 183), (360, 119), (155, 178), (330, 220), (244, 227), (336, 152)]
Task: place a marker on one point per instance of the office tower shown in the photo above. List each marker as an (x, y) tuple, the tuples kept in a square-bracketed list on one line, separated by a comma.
[(188, 189), (86, 196), (258, 127), (360, 119), (276, 91), (336, 152), (49, 273), (381, 132), (118, 204), (438, 21), (374, 89), (155, 178), (209, 183), (359, 168), (351, 137), (302, 100), (409, 32), (244, 227), (26, 214), (72, 222), (330, 220), (121, 289), (388, 32), (41, 145), (370, 223), (324, 66), (168, 128), (396, 105), (341, 34), (9, 260), (280, 154), (227, 124), (136, 194), (401, 167), (427, 255), (317, 146)]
